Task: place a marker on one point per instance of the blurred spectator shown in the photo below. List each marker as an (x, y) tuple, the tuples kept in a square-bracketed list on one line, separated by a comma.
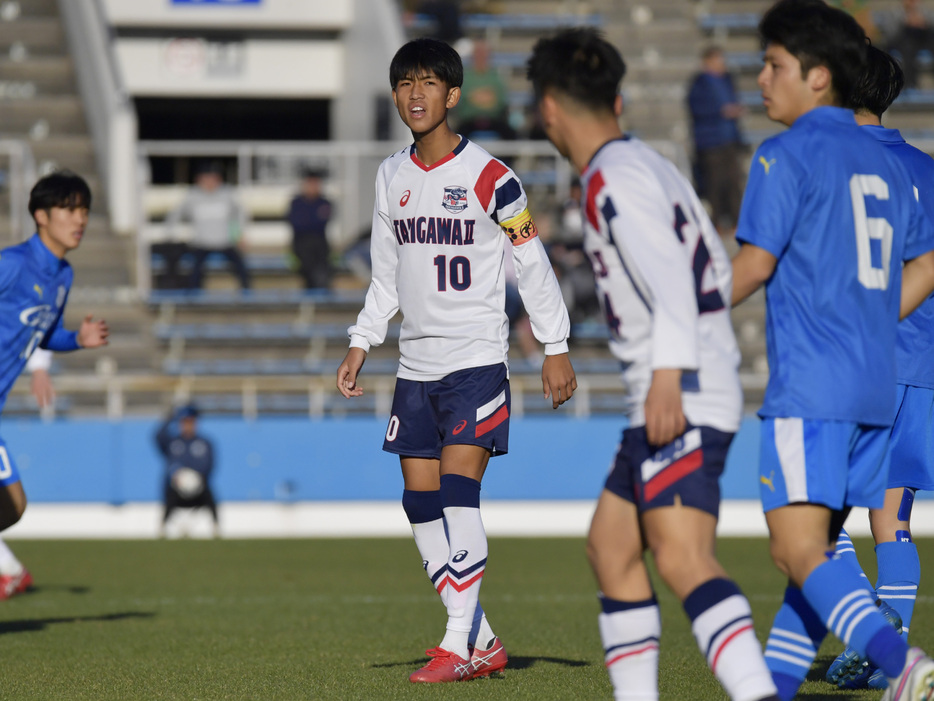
[(718, 142), (445, 17), (573, 269), (309, 213), (483, 110), (910, 32), (860, 11), (189, 463), (218, 221)]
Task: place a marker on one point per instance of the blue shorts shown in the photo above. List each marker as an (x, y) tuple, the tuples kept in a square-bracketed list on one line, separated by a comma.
[(911, 447), (8, 472), (468, 407), (833, 463), (688, 469)]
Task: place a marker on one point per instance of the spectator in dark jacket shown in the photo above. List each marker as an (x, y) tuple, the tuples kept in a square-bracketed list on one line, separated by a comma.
[(718, 142), (309, 213)]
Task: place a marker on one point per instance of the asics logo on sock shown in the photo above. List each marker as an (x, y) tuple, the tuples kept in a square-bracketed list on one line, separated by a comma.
[(460, 556)]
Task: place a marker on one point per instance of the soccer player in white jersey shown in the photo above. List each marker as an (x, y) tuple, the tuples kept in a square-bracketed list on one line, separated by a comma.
[(827, 221), (663, 278), (911, 460), (442, 208)]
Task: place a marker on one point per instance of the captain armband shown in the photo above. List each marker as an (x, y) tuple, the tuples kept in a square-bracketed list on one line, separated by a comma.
[(520, 228)]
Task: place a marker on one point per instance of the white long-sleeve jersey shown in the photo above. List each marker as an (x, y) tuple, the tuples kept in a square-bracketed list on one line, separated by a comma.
[(438, 256), (664, 282)]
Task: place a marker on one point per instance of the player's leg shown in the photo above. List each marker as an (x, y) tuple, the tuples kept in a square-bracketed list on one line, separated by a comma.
[(899, 567), (681, 498), (629, 619), (14, 578), (12, 496), (803, 466)]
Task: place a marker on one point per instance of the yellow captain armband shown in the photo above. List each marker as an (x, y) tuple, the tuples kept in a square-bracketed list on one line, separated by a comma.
[(520, 228)]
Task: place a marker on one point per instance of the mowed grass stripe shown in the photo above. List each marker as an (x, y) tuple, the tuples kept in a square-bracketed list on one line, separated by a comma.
[(340, 619)]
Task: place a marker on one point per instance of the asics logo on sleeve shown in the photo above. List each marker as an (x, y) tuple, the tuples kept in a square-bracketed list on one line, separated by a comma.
[(766, 163)]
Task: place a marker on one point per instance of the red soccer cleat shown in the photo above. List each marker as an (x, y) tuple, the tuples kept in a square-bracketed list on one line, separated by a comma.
[(14, 584), (485, 662), (445, 666)]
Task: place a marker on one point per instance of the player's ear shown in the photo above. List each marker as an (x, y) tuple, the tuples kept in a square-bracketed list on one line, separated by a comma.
[(820, 79), (42, 217), (618, 106), (547, 107), (454, 96)]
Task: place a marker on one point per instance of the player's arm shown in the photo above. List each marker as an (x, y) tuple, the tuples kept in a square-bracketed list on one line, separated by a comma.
[(40, 385), (664, 277), (382, 298), (541, 296), (752, 266), (917, 282)]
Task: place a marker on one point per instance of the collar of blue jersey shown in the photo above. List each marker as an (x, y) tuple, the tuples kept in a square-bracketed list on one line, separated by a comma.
[(889, 136), (48, 261), (624, 137), (827, 114)]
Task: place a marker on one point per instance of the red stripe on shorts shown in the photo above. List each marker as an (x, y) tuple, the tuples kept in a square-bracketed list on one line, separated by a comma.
[(486, 426), (671, 474)]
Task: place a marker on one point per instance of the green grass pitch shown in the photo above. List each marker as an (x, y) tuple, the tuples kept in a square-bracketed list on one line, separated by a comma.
[(340, 619)]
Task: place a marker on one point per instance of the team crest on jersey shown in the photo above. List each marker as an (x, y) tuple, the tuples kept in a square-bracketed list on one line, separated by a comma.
[(455, 199)]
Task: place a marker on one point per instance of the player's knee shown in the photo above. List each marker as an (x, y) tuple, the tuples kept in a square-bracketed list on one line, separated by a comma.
[(11, 512)]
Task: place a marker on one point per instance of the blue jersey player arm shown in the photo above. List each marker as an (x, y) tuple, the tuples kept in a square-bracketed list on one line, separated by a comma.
[(766, 219), (59, 338)]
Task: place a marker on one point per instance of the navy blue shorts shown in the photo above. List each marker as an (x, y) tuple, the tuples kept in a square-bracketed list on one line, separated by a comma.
[(687, 470), (468, 407)]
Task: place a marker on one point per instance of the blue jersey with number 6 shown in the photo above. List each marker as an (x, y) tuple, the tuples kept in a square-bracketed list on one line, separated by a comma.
[(837, 210), (34, 286)]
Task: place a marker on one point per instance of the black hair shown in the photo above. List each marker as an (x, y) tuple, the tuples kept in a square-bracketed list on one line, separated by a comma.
[(881, 82), (426, 55), (580, 64), (59, 189), (818, 35)]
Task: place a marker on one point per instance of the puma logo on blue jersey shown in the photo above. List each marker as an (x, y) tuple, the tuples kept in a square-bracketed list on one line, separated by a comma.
[(766, 163), (38, 290), (768, 481)]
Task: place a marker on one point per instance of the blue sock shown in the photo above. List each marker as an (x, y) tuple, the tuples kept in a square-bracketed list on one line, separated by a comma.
[(899, 576), (847, 553), (836, 593), (796, 634)]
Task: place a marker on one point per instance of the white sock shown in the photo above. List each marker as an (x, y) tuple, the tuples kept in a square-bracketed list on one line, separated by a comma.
[(630, 645), (9, 565), (466, 565), (481, 634)]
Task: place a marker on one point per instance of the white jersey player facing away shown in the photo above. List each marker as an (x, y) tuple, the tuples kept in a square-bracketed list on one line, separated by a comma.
[(442, 209), (664, 282)]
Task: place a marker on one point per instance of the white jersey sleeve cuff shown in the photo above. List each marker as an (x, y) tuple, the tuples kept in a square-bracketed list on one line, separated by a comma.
[(357, 341), (556, 348)]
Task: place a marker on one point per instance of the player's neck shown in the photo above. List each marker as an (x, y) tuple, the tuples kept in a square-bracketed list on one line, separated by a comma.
[(587, 137), (55, 248), (867, 119), (432, 146)]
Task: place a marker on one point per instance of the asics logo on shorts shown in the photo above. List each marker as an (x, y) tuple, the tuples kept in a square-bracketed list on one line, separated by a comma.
[(460, 427)]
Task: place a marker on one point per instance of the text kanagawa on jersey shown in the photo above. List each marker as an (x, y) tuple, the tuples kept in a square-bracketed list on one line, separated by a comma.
[(438, 230)]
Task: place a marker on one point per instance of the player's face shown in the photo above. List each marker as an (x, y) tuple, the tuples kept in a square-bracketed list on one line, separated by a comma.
[(423, 101), (61, 228), (786, 94)]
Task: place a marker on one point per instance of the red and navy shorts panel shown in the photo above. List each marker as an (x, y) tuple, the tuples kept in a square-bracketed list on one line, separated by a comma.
[(468, 407), (687, 470)]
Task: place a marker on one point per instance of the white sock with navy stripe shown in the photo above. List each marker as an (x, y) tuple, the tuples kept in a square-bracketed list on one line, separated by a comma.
[(630, 631), (460, 497), (722, 624)]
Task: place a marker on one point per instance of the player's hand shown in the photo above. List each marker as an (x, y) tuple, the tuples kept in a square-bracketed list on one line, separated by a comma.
[(558, 379), (41, 387), (664, 415), (348, 371), (93, 334)]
